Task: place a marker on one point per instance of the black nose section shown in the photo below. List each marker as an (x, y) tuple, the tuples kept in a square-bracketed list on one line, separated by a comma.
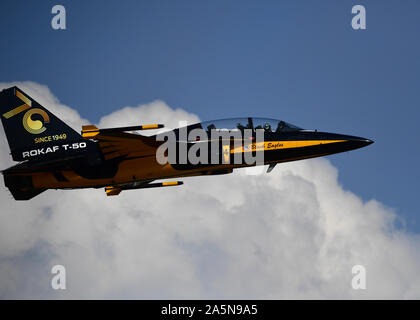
[(352, 142), (347, 142), (368, 141), (360, 142)]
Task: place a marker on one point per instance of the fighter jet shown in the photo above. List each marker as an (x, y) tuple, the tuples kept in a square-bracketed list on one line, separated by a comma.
[(52, 155)]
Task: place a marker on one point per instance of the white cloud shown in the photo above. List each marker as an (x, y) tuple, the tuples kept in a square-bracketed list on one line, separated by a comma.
[(150, 113), (293, 233)]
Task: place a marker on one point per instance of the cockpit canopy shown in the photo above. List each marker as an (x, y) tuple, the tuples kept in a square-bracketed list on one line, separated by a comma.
[(270, 125)]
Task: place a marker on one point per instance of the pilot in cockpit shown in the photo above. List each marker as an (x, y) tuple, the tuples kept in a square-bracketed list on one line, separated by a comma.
[(267, 127)]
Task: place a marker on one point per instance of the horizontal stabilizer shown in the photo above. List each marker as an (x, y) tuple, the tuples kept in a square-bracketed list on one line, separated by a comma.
[(21, 187)]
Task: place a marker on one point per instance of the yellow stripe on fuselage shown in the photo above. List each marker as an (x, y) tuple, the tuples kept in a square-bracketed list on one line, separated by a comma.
[(278, 145)]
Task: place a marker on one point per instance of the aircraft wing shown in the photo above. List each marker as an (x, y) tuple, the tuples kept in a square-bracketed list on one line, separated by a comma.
[(116, 143)]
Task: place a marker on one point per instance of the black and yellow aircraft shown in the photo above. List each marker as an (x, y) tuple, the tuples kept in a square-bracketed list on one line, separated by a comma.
[(52, 155)]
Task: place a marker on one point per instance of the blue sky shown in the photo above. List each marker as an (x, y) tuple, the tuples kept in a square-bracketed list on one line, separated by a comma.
[(294, 60)]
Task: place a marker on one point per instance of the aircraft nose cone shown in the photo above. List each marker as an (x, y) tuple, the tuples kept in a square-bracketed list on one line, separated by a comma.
[(349, 142), (358, 142), (368, 142), (363, 141)]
